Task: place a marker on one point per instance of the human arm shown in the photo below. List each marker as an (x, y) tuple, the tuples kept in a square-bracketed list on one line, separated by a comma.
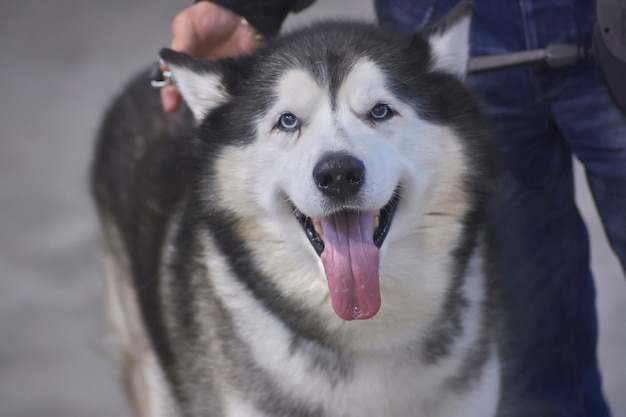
[(224, 28)]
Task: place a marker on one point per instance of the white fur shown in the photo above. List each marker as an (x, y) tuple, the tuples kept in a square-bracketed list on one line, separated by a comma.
[(201, 91), (451, 48), (424, 158), (378, 385), (145, 381)]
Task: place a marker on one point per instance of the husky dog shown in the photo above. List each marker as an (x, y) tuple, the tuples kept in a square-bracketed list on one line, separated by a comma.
[(307, 238)]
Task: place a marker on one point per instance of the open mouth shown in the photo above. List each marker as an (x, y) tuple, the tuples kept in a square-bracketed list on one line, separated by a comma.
[(348, 243), (381, 223)]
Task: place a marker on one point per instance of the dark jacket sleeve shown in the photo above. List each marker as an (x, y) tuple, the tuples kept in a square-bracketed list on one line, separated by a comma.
[(266, 16)]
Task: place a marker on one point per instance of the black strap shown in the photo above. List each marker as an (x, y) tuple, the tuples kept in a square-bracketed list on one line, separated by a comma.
[(266, 16)]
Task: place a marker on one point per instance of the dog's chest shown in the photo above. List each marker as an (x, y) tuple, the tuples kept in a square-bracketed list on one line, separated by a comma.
[(389, 386), (369, 387)]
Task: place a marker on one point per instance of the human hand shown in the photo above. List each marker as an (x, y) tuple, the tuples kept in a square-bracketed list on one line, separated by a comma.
[(206, 30)]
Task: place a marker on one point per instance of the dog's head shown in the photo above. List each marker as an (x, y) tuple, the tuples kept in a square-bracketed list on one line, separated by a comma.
[(341, 141)]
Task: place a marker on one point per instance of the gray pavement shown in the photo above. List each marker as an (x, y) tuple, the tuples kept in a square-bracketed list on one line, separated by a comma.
[(60, 63)]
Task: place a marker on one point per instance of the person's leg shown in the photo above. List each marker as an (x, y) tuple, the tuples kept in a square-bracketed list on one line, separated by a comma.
[(548, 289), (596, 132), (543, 260), (404, 16)]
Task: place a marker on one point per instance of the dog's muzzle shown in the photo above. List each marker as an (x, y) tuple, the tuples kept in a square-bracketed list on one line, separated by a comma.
[(348, 240)]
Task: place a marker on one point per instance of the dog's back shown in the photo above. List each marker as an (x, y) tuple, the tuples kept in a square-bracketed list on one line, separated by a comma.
[(138, 175), (139, 164)]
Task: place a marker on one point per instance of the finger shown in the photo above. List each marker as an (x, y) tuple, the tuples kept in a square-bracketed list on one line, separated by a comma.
[(240, 42), (170, 98), (184, 37)]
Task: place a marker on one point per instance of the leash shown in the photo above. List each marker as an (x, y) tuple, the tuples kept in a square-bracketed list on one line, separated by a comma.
[(160, 78), (554, 55)]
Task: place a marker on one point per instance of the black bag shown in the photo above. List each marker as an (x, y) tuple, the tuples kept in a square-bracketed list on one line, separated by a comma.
[(609, 45)]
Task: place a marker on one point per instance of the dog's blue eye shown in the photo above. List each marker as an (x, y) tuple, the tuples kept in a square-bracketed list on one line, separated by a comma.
[(380, 111), (288, 122)]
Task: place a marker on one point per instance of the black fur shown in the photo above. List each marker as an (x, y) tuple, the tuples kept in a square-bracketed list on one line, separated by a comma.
[(139, 174)]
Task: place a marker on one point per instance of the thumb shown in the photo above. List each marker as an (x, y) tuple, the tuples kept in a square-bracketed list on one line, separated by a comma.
[(184, 39), (184, 36)]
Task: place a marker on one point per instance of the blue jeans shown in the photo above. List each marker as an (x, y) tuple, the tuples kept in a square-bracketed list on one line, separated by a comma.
[(542, 118)]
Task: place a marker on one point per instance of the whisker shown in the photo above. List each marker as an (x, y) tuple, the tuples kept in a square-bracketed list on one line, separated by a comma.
[(439, 213)]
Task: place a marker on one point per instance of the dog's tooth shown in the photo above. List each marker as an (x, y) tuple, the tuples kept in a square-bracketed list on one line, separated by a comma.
[(376, 218), (317, 225)]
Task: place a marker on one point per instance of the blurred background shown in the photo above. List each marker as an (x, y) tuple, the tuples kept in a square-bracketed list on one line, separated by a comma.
[(61, 61)]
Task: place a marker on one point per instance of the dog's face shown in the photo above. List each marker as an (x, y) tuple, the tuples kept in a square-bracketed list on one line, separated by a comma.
[(339, 143)]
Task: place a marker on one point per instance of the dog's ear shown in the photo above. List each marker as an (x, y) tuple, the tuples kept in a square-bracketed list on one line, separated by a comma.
[(449, 39), (204, 85)]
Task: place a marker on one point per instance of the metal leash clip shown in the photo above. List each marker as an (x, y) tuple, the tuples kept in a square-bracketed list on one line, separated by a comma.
[(160, 78)]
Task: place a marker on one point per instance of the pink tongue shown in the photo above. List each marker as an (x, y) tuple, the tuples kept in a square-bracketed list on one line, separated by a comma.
[(350, 260)]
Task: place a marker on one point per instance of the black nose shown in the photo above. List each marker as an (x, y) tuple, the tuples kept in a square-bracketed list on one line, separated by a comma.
[(339, 175)]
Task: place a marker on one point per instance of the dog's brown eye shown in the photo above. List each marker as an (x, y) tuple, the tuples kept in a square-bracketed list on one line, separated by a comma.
[(380, 111), (288, 122)]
